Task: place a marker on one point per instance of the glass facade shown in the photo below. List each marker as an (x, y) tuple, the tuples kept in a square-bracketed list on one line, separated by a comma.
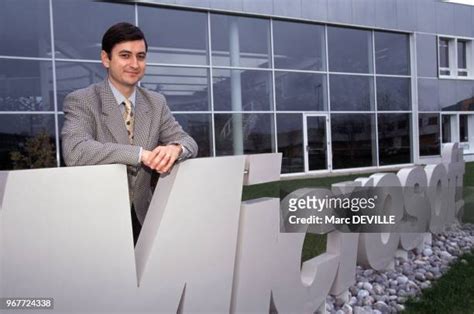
[(237, 84)]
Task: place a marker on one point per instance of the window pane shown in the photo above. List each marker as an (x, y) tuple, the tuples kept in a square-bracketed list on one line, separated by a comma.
[(26, 85), (174, 36), (394, 138), (462, 55), (27, 141), (186, 89), (240, 90), (71, 76), (446, 128), (199, 127), (298, 46), (238, 134), (429, 134), (350, 92), (393, 93), (353, 140), (464, 98), (463, 128), (443, 53), (290, 142), (350, 50), (80, 25), (448, 98), (24, 26), (392, 53), (240, 41), (300, 91), (428, 93)]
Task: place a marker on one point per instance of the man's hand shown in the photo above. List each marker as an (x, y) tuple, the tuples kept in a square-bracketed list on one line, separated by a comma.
[(162, 158)]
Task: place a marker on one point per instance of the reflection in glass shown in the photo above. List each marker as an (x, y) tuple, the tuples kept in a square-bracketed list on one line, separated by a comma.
[(185, 88), (392, 53), (199, 127), (240, 41), (27, 141), (464, 98), (26, 85), (444, 53), (24, 28), (428, 91), (353, 140), (174, 36), (238, 134), (351, 93), (446, 128), (71, 76), (394, 138), (429, 136), (242, 90), (462, 64), (80, 25), (290, 142), (317, 143), (298, 46), (393, 93), (463, 128), (300, 91), (350, 50)]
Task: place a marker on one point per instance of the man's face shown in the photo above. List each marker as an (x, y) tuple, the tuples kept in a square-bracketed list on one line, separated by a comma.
[(127, 63)]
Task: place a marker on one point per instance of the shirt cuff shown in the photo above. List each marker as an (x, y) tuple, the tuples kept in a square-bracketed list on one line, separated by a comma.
[(140, 155)]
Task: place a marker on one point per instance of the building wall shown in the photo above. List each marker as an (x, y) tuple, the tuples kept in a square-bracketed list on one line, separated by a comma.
[(379, 113)]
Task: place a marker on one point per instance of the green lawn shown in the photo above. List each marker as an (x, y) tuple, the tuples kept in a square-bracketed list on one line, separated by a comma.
[(452, 293)]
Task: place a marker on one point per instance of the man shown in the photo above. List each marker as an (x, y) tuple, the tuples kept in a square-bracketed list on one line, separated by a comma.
[(117, 122)]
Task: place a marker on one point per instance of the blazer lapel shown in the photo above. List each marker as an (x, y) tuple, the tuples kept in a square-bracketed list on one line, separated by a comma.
[(142, 121), (112, 115)]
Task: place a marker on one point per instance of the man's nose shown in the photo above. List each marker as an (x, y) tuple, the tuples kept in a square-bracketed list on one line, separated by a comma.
[(134, 62)]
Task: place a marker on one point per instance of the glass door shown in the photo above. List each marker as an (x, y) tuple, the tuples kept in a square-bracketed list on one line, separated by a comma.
[(317, 144)]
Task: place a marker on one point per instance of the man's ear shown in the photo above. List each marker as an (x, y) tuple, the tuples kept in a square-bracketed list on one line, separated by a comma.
[(104, 57)]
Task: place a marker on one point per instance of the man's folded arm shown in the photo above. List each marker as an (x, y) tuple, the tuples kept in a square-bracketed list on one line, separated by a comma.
[(79, 146)]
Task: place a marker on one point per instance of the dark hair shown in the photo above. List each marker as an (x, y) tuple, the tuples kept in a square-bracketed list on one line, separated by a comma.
[(121, 32)]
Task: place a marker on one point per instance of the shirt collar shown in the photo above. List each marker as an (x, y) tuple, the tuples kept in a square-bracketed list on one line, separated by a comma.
[(119, 97)]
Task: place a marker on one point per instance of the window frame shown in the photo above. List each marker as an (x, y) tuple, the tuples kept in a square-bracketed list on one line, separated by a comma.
[(453, 71)]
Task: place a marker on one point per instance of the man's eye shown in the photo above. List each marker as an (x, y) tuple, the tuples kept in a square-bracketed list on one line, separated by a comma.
[(125, 56), (141, 57)]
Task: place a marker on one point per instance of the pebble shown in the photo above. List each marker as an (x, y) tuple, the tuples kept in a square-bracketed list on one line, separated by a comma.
[(386, 291), (362, 294), (427, 252), (347, 309), (402, 280)]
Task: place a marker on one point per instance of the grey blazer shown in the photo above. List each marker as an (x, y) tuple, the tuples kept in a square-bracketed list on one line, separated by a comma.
[(94, 133)]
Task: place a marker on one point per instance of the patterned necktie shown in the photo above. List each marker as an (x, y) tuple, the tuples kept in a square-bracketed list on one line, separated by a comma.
[(129, 119)]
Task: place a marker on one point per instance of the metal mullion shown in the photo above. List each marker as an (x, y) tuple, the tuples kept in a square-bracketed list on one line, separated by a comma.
[(176, 65), (375, 102), (272, 57), (300, 71), (211, 84), (353, 74), (25, 58), (328, 102), (224, 67), (77, 60), (55, 89), (414, 97), (27, 112)]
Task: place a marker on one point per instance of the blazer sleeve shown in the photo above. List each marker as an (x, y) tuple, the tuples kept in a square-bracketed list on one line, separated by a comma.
[(79, 144), (172, 133)]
